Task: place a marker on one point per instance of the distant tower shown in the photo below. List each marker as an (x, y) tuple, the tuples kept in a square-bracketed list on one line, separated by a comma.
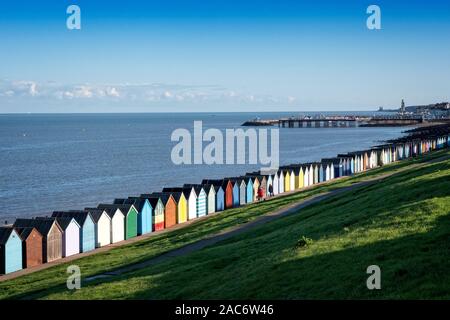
[(402, 108)]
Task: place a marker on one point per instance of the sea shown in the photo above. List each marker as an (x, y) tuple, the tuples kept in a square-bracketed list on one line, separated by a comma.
[(71, 161)]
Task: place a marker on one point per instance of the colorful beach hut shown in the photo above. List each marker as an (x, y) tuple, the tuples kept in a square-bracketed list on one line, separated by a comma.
[(170, 207), (236, 191), (182, 211), (220, 197), (158, 212), (10, 250), (31, 247), (248, 189)]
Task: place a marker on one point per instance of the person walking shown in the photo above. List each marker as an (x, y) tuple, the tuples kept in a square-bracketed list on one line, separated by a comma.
[(270, 190), (260, 194)]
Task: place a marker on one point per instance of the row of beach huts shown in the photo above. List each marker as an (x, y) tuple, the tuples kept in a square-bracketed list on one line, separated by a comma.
[(34, 241)]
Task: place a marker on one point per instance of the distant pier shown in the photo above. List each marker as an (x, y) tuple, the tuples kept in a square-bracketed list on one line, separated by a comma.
[(336, 122)]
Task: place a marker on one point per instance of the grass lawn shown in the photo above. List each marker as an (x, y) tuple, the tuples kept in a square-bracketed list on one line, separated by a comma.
[(401, 224)]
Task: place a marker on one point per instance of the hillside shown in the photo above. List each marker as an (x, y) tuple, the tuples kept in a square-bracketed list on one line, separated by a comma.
[(401, 224)]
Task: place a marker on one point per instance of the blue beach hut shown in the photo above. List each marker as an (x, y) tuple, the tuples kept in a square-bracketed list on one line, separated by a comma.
[(10, 250), (236, 190), (249, 188), (322, 172), (220, 197)]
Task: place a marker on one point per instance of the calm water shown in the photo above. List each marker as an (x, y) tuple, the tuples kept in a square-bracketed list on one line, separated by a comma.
[(57, 162)]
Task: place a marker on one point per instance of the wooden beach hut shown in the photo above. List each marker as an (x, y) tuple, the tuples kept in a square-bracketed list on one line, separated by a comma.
[(87, 227), (51, 236), (70, 236), (10, 250), (102, 224), (117, 221), (31, 247)]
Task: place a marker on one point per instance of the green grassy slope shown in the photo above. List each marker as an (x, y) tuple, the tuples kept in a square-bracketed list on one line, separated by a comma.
[(401, 224)]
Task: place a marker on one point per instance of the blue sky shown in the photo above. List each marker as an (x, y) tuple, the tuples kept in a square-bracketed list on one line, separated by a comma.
[(186, 55)]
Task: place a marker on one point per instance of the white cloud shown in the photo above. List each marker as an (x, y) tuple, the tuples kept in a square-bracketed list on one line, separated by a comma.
[(139, 92)]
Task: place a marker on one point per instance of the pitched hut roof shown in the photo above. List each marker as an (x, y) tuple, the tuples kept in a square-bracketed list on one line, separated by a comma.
[(5, 232), (79, 215), (63, 222), (96, 213), (24, 233), (43, 225)]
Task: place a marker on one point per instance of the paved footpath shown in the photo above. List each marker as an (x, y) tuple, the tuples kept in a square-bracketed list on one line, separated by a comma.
[(216, 237)]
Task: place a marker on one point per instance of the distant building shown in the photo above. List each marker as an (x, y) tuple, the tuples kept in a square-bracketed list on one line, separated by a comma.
[(403, 108)]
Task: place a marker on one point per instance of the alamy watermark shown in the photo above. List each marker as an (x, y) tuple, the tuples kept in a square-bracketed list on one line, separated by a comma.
[(74, 280), (73, 21), (374, 280), (248, 146), (373, 22)]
